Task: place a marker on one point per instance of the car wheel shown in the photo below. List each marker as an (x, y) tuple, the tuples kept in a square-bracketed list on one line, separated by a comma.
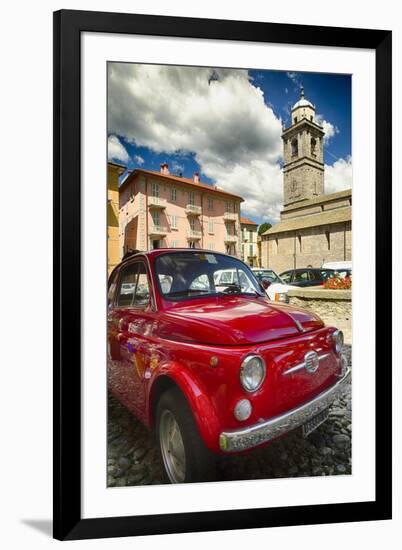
[(184, 456)]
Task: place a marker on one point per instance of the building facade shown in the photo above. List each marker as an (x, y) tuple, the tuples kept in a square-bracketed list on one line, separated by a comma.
[(162, 210), (314, 227), (248, 245), (114, 171)]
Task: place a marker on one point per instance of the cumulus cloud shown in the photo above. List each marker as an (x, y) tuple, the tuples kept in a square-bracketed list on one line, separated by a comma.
[(177, 167), (218, 115), (116, 150), (295, 78), (329, 128), (139, 160), (338, 176)]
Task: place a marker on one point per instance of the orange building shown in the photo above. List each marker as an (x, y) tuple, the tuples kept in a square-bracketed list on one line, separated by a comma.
[(114, 171), (159, 209)]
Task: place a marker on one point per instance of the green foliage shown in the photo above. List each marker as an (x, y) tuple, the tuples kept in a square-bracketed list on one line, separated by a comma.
[(264, 227)]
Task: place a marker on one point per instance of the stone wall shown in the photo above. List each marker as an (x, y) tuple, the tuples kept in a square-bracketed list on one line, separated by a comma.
[(333, 306), (310, 246)]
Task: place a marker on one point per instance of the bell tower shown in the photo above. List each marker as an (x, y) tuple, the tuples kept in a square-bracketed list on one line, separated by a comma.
[(303, 154)]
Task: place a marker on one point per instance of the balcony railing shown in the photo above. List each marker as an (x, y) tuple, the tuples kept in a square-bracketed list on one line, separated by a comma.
[(230, 216), (193, 210), (158, 230), (231, 239), (157, 202), (193, 235)]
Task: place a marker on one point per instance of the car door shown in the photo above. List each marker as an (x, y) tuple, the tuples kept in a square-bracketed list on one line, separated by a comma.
[(301, 278), (286, 277), (132, 325)]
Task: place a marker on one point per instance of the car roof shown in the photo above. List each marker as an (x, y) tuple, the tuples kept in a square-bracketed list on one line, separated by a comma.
[(159, 251)]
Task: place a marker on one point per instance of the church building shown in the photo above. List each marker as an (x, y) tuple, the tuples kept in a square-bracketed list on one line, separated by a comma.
[(314, 227)]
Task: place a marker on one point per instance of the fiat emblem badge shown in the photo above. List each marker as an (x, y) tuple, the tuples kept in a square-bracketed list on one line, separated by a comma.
[(311, 361)]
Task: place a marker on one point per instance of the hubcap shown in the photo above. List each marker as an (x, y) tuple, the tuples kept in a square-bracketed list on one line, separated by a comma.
[(172, 448)]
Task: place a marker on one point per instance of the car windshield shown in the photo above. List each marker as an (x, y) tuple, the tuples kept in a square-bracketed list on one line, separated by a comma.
[(267, 274), (184, 275), (327, 273)]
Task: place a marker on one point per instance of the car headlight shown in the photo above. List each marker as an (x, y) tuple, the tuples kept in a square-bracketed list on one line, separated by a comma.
[(252, 372), (338, 340)]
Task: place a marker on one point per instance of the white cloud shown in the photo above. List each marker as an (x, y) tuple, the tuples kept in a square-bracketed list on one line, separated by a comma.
[(338, 176), (219, 115), (177, 167), (116, 150), (139, 160), (295, 78), (329, 128)]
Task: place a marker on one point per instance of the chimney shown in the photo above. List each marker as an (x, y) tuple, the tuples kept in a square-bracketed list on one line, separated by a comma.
[(165, 168), (196, 177)]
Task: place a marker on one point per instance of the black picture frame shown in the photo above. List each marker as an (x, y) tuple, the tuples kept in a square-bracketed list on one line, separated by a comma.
[(68, 26)]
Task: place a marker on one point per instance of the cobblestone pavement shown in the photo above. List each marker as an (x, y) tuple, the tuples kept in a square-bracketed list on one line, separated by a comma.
[(133, 458)]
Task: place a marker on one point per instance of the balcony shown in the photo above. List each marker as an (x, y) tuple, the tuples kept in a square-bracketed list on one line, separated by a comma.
[(230, 216), (157, 202), (231, 239), (193, 210), (193, 235), (158, 231)]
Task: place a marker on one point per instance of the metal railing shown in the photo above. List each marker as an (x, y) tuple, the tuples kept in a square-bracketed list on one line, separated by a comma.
[(158, 230), (193, 234), (157, 202), (230, 216), (193, 209)]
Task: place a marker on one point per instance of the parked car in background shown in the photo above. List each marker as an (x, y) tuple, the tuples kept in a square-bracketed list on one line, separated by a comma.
[(343, 269), (338, 266), (309, 276), (212, 365), (277, 289)]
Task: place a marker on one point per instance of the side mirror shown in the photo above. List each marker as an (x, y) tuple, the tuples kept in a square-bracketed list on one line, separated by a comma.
[(266, 283)]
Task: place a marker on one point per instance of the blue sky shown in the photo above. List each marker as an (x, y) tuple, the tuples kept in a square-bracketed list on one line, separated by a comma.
[(331, 94), (225, 124)]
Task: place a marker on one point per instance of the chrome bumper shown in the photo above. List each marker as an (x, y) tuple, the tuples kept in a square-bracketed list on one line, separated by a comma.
[(247, 438)]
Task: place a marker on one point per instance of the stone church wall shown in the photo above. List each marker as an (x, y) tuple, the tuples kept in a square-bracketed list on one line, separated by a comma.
[(311, 246)]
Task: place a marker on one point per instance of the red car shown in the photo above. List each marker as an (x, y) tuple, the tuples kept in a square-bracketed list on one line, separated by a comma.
[(214, 367)]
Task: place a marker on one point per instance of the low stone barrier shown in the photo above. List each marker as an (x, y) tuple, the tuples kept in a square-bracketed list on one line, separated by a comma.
[(333, 306)]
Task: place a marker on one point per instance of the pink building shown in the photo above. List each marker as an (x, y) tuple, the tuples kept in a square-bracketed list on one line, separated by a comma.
[(159, 209)]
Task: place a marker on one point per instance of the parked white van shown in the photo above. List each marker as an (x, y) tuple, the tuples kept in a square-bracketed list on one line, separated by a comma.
[(338, 266)]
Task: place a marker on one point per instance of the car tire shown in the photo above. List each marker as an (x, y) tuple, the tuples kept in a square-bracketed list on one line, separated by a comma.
[(183, 453)]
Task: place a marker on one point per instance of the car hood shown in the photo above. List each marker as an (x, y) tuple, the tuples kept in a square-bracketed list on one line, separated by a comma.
[(235, 320)]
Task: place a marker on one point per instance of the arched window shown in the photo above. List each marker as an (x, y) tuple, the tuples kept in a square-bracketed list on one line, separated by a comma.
[(313, 146), (294, 146)]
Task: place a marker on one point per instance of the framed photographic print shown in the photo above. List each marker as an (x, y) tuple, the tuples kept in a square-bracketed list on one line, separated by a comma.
[(205, 303)]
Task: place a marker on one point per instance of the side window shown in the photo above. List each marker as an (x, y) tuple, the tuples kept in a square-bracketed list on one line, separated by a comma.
[(112, 288), (286, 276), (302, 276), (128, 281), (142, 293)]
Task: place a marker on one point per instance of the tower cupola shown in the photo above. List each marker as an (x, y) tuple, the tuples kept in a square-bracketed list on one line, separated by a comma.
[(303, 154)]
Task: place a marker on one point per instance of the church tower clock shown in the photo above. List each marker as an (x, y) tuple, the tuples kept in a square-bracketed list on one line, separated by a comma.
[(303, 153)]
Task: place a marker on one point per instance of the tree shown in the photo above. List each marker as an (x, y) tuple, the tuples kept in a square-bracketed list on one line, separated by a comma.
[(264, 227)]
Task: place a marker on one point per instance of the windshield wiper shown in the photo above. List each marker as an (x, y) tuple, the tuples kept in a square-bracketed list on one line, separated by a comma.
[(187, 291), (234, 288)]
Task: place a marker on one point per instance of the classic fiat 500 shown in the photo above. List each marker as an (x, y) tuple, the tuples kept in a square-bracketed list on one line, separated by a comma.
[(211, 365)]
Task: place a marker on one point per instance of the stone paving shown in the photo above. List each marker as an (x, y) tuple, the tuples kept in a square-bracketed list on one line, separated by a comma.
[(133, 457)]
